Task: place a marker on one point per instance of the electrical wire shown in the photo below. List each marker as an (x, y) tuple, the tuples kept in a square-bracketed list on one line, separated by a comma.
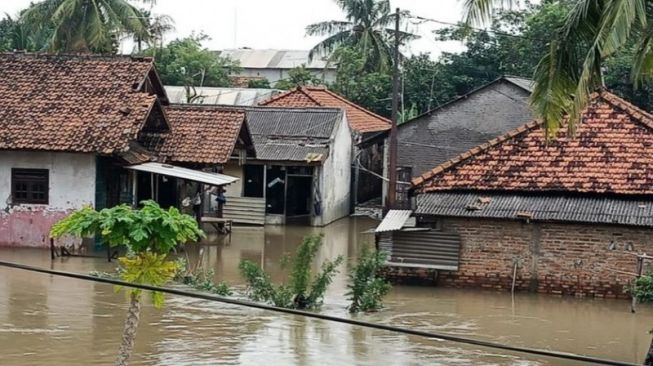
[(390, 328)]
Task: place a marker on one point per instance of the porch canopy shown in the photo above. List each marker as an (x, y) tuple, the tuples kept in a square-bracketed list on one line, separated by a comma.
[(213, 179)]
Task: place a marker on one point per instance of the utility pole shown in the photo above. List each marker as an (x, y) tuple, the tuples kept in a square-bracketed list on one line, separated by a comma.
[(391, 199)]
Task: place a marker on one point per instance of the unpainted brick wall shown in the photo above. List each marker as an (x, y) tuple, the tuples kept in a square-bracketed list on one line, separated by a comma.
[(552, 258)]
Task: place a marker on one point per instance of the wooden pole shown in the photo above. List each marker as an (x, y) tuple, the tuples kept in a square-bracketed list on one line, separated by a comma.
[(392, 163)]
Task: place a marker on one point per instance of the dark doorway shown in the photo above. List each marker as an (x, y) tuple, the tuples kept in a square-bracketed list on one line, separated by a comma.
[(253, 185), (167, 192), (298, 196), (144, 184), (275, 190)]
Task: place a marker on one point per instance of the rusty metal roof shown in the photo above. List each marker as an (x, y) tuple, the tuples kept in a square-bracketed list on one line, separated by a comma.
[(580, 209)]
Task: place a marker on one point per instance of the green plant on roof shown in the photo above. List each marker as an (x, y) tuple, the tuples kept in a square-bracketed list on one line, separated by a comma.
[(150, 234)]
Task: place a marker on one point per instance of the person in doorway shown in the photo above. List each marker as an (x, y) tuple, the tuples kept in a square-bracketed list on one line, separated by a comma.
[(197, 204)]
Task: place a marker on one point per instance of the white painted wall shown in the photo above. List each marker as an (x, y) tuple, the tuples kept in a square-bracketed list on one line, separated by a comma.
[(234, 169), (335, 177), (71, 186), (274, 75)]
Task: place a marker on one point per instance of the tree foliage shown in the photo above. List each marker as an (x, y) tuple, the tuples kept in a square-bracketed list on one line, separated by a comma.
[(185, 62), (298, 76), (303, 289), (368, 28), (371, 90), (84, 26), (366, 287)]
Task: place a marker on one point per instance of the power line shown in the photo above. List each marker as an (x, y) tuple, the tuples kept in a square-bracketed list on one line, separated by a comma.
[(419, 333), (458, 25)]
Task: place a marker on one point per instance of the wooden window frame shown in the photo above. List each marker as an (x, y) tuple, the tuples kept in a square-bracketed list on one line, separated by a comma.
[(30, 191)]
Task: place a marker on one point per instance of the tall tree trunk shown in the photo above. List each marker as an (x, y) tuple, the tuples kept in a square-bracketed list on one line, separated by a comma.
[(649, 355), (129, 331)]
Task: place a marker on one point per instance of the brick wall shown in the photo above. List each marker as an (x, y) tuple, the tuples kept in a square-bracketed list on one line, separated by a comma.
[(552, 258)]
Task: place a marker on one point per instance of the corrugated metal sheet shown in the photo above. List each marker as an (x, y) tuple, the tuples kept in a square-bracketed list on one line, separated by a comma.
[(184, 173), (393, 220), (245, 210), (225, 96), (422, 249), (526, 84), (603, 210), (273, 59), (292, 134)]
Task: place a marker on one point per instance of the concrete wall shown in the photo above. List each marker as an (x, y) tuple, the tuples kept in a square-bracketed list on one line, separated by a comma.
[(72, 185), (274, 75), (571, 259), (335, 177), (233, 169)]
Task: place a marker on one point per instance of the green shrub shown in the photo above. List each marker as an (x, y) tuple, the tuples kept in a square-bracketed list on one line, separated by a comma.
[(366, 287), (303, 290), (642, 288)]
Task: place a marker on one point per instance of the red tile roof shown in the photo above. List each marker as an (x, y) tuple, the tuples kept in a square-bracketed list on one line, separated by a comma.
[(612, 152), (72, 103), (202, 134), (360, 119)]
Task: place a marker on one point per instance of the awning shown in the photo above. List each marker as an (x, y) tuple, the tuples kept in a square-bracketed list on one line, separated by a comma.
[(393, 220), (213, 179)]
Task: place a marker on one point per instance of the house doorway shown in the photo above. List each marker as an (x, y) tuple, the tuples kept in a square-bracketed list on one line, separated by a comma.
[(298, 199), (254, 176)]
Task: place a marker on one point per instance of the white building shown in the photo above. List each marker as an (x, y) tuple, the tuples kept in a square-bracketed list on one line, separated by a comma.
[(274, 65)]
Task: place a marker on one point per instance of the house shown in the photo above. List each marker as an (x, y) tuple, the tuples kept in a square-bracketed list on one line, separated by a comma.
[(301, 172), (459, 125), (75, 131), (367, 160), (274, 65), (565, 216), (223, 96)]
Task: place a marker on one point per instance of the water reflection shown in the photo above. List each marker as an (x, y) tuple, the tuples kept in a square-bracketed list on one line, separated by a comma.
[(59, 321)]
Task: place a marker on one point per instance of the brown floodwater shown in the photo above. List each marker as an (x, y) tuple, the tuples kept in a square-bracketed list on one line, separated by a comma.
[(54, 321)]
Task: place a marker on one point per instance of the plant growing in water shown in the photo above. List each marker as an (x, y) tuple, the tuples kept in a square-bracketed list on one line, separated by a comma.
[(303, 289), (149, 234), (366, 287)]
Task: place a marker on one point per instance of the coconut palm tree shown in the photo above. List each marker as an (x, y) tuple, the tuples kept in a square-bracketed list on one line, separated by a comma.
[(156, 26), (571, 69), (85, 25), (368, 27)]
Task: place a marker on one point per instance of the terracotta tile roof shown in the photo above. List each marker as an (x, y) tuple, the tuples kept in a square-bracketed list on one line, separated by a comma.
[(359, 118), (202, 134), (72, 103), (612, 152)]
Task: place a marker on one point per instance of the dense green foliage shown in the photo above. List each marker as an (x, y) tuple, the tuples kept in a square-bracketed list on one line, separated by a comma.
[(298, 76), (259, 84), (149, 234), (642, 288), (366, 287), (83, 26), (203, 281), (371, 90), (185, 62), (303, 289)]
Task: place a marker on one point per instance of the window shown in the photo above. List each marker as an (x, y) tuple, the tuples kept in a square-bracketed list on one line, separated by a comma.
[(29, 186)]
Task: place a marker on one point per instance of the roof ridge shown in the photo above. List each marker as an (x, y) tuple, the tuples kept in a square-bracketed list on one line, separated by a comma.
[(345, 100), (417, 181), (285, 94), (81, 56), (632, 110), (207, 107)]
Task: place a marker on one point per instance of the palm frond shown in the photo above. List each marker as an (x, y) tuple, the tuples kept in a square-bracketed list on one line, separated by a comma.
[(643, 56), (328, 28), (480, 12), (328, 45)]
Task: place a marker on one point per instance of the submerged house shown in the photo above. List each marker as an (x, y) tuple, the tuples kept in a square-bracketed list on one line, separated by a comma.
[(567, 216), (78, 130), (301, 170), (367, 160), (457, 126)]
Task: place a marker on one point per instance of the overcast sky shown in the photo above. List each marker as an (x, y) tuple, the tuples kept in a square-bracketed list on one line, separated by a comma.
[(277, 23)]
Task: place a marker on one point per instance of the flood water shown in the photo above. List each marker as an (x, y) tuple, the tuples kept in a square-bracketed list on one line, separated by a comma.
[(56, 321)]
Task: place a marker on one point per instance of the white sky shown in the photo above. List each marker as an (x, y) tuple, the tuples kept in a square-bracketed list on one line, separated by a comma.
[(277, 23)]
